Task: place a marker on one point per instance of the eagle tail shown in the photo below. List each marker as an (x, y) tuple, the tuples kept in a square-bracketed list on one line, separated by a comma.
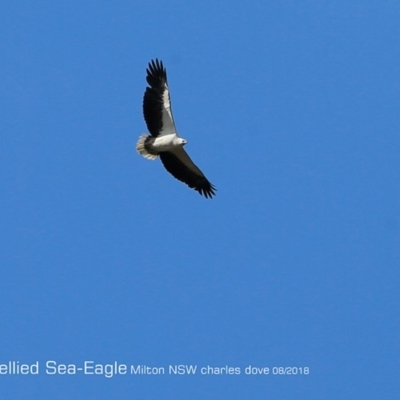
[(143, 147)]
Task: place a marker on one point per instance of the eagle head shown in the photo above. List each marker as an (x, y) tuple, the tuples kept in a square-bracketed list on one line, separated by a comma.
[(180, 142)]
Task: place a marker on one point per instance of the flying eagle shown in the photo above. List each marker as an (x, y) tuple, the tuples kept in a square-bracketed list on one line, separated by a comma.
[(163, 140)]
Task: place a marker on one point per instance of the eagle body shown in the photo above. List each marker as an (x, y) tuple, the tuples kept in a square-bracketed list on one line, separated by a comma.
[(150, 147), (163, 140)]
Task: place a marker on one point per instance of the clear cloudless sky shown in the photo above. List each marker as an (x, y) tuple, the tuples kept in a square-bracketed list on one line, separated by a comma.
[(291, 109)]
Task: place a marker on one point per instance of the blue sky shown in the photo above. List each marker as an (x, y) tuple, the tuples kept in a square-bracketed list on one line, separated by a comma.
[(291, 109)]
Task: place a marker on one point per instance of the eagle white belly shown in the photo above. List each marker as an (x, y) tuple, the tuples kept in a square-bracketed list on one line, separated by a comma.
[(166, 142)]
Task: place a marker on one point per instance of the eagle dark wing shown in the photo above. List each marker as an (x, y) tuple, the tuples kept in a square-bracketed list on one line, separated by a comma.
[(179, 165), (156, 101)]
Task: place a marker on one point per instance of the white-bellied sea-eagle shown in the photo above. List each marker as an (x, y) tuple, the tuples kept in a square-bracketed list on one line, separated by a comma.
[(163, 140)]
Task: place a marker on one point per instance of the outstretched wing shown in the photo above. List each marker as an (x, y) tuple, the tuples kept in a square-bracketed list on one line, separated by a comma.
[(179, 164), (156, 102)]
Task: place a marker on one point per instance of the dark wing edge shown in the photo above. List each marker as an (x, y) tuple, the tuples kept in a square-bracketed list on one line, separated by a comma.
[(153, 96), (183, 173), (156, 74)]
